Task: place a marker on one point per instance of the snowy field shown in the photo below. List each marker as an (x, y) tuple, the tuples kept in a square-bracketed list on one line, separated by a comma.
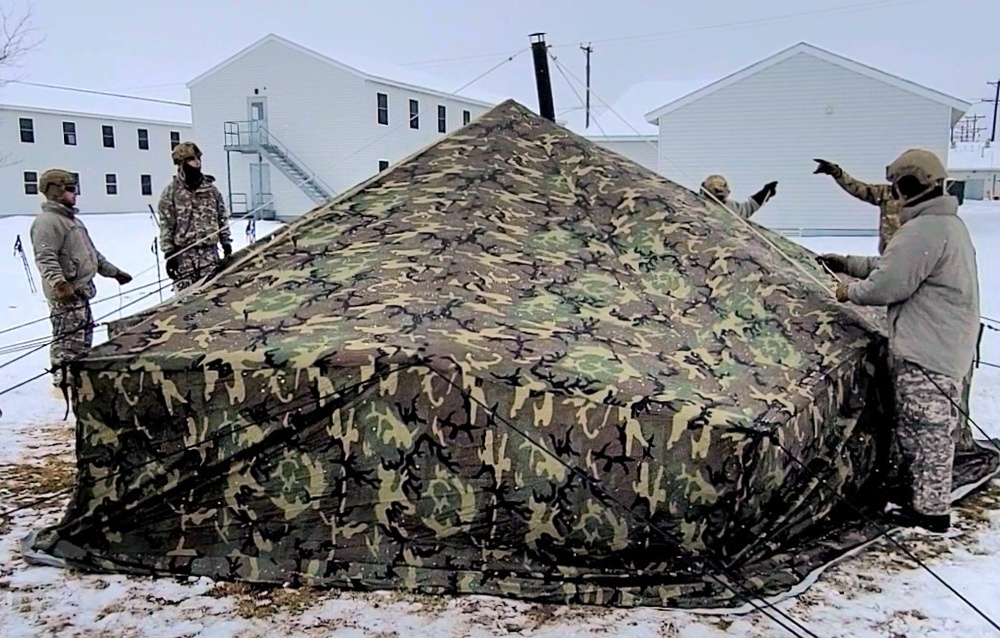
[(878, 593)]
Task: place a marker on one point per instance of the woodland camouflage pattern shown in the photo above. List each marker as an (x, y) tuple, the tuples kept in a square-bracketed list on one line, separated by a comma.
[(196, 222), (877, 195), (347, 403)]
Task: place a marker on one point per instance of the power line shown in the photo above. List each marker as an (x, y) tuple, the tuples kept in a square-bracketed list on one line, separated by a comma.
[(708, 27), (106, 93)]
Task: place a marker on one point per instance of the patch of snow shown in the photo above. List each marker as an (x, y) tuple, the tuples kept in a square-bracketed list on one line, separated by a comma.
[(874, 594)]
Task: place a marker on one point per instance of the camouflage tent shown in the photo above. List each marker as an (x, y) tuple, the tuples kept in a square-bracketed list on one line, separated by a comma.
[(514, 364)]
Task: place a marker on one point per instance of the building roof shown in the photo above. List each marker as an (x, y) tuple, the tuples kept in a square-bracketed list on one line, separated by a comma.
[(31, 98), (973, 156), (959, 107), (625, 117), (373, 70)]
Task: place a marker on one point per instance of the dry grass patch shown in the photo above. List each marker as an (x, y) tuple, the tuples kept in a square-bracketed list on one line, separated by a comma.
[(263, 601), (21, 483)]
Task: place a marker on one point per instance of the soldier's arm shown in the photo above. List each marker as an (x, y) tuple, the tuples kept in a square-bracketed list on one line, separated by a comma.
[(859, 267), (908, 260), (745, 209), (225, 235), (168, 220), (46, 239), (873, 194), (105, 268)]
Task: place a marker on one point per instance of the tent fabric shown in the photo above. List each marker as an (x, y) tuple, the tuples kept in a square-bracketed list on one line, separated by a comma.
[(515, 364)]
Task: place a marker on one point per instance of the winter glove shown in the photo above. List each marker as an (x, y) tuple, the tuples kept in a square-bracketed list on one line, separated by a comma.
[(173, 267), (770, 190), (123, 277), (835, 263), (842, 295), (64, 292), (826, 168), (227, 250)]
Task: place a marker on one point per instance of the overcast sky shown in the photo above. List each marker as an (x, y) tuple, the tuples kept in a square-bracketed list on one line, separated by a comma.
[(114, 45)]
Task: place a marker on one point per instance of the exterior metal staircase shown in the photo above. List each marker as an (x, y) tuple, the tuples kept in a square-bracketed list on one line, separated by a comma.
[(253, 137)]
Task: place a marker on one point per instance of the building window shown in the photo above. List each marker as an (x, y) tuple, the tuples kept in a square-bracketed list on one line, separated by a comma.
[(382, 165), (108, 133), (27, 126), (466, 117), (383, 108), (30, 183), (111, 184), (143, 139), (175, 139), (442, 118), (147, 184), (76, 180), (69, 133), (414, 114)]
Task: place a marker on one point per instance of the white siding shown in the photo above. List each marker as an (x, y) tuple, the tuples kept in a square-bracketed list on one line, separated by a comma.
[(771, 125), (327, 117), (89, 158), (641, 150)]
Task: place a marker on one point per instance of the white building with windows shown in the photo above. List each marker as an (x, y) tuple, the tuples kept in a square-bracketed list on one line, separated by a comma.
[(284, 128), (977, 165), (769, 120), (122, 160)]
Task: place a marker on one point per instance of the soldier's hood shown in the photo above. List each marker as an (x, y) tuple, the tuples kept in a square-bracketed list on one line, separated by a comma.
[(939, 206), (59, 209)]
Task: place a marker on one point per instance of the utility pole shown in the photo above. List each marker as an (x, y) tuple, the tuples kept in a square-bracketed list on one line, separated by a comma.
[(996, 101), (587, 50)]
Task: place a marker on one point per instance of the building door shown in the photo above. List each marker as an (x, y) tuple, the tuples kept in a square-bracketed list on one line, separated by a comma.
[(257, 116), (261, 199)]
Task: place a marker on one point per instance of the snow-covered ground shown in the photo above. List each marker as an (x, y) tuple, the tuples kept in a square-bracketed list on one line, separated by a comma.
[(878, 593)]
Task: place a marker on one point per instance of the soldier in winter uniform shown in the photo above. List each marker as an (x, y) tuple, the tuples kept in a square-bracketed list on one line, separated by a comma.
[(718, 187), (67, 261), (928, 279), (193, 220), (889, 206)]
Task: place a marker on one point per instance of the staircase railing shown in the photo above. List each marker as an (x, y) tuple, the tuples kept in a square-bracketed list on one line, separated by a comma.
[(253, 133)]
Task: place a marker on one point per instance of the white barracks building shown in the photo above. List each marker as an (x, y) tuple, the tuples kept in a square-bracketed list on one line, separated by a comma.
[(284, 129)]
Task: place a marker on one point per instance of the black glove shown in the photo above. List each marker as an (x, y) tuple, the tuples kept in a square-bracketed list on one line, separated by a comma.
[(173, 267), (227, 250), (770, 190), (836, 263), (824, 167)]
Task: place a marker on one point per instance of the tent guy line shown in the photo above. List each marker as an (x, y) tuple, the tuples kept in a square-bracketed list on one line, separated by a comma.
[(798, 266), (597, 489), (426, 363)]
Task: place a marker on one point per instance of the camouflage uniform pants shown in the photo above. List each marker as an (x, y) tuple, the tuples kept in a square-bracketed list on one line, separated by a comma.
[(195, 263), (72, 331), (925, 432), (964, 437)]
